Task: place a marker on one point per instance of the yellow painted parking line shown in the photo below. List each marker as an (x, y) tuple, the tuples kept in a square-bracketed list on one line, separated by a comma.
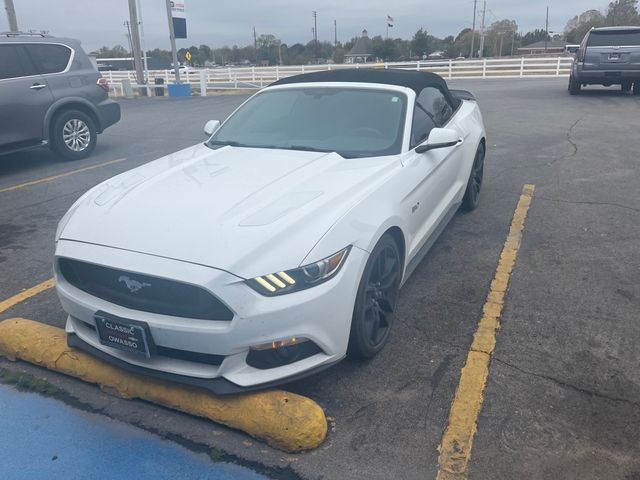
[(457, 440), (61, 175), (25, 294)]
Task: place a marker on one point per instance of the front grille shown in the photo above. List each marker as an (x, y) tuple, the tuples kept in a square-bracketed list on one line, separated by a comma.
[(144, 292)]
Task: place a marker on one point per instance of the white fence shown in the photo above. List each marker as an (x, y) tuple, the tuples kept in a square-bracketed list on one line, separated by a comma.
[(258, 77)]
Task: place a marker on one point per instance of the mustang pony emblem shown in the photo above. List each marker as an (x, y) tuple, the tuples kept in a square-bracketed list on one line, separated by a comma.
[(133, 285)]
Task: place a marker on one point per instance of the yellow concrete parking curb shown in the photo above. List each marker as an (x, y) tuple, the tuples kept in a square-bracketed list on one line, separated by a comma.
[(285, 421)]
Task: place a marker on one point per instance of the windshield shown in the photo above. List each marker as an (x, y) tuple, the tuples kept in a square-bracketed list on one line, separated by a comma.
[(352, 122)]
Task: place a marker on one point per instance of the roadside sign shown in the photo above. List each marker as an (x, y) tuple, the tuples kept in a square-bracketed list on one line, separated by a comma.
[(188, 56)]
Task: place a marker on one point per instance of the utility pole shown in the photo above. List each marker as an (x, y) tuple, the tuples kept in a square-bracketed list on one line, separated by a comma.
[(255, 45), (473, 28), (11, 15), (135, 41), (315, 30), (482, 32), (484, 11), (546, 31), (142, 43), (335, 33), (172, 37)]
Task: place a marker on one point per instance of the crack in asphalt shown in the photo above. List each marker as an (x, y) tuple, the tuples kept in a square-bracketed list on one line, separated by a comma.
[(569, 138), (569, 386), (576, 202)]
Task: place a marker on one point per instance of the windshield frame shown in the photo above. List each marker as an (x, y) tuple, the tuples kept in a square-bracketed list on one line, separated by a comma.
[(401, 137)]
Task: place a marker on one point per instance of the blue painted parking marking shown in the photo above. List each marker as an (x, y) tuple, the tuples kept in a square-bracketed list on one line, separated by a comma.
[(43, 438)]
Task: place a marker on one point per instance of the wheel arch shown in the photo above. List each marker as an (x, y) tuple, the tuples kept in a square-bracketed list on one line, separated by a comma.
[(70, 104)]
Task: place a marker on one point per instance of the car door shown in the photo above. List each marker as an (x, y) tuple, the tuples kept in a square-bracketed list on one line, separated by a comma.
[(24, 97), (431, 175)]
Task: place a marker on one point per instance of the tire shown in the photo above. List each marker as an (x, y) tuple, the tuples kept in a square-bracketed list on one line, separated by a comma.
[(471, 197), (636, 87), (373, 313), (574, 86), (73, 135), (625, 87)]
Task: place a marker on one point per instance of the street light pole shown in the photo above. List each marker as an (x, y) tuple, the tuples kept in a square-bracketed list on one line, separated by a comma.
[(11, 15), (546, 31), (142, 43), (172, 36)]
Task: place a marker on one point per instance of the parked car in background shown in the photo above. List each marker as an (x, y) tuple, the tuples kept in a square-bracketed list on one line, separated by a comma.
[(51, 94), (608, 56), (279, 245)]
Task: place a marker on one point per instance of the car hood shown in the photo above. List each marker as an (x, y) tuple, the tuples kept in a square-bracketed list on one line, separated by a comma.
[(244, 210)]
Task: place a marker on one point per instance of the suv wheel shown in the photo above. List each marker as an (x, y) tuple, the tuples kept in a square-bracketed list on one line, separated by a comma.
[(636, 87), (73, 135), (626, 86), (574, 86)]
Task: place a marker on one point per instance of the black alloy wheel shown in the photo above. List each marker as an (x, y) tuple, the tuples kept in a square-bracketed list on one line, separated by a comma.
[(376, 300), (626, 86), (636, 87), (471, 197)]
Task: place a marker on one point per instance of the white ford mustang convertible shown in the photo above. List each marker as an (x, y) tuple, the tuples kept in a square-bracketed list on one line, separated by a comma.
[(278, 246)]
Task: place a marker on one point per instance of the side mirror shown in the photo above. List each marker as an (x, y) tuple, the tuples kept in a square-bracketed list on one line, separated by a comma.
[(211, 126), (440, 138)]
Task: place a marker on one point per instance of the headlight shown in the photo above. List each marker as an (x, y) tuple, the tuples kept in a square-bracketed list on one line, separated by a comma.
[(301, 278)]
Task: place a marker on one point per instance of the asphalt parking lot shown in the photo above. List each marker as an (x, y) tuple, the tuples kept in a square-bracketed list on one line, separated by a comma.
[(563, 394)]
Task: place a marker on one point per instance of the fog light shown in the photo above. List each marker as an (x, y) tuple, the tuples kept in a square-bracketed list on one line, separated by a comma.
[(281, 352)]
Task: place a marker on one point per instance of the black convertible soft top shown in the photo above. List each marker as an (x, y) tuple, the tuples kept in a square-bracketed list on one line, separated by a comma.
[(405, 78)]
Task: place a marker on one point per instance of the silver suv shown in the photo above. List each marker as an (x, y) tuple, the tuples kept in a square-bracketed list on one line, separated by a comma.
[(51, 94), (608, 56)]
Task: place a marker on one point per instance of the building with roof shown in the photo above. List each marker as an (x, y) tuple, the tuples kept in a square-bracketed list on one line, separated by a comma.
[(538, 48), (361, 51)]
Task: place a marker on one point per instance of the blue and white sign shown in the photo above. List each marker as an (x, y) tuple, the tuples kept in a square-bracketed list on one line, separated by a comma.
[(179, 19)]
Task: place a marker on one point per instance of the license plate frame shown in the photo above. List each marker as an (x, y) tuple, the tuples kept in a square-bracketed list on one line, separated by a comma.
[(131, 336), (614, 56)]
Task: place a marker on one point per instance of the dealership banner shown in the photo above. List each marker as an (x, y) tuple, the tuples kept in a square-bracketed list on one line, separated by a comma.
[(179, 19)]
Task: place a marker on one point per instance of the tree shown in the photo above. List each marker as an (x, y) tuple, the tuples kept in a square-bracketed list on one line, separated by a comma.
[(462, 44), (579, 25), (385, 49), (623, 12), (117, 51), (420, 43), (534, 36), (499, 34)]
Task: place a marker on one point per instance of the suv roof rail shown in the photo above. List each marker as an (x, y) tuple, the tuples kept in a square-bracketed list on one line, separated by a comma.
[(25, 34)]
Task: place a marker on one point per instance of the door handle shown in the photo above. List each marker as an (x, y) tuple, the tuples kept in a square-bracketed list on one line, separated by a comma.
[(37, 86)]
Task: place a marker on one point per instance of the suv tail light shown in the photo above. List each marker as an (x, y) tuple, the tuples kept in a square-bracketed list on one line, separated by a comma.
[(580, 54), (103, 83)]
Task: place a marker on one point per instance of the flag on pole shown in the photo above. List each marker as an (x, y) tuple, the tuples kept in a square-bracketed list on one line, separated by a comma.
[(389, 21), (179, 19)]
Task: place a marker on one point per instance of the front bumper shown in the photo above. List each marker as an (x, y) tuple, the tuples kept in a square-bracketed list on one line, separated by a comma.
[(322, 314)]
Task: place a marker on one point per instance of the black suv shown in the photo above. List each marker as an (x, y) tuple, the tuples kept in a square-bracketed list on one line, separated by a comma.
[(608, 56), (51, 93)]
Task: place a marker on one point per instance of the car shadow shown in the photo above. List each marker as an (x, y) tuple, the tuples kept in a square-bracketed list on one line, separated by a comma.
[(29, 160)]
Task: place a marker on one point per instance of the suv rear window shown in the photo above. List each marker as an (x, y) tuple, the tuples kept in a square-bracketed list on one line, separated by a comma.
[(614, 39), (49, 58)]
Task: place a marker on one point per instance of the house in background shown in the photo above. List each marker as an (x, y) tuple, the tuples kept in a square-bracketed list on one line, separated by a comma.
[(361, 51)]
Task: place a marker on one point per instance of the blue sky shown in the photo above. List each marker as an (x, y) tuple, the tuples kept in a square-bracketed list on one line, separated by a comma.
[(220, 22)]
